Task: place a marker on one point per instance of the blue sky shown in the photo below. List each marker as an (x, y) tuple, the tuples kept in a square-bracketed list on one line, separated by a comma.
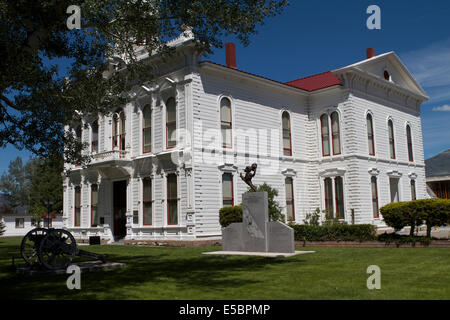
[(316, 36)]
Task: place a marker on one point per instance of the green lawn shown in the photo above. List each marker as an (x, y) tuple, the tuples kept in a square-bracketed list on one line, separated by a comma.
[(184, 273)]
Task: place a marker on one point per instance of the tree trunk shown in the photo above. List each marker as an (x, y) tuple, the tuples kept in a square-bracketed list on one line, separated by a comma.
[(411, 232), (429, 230)]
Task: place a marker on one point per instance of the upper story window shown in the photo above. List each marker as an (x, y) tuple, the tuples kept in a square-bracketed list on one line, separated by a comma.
[(119, 130), (94, 202), (391, 139), (413, 189), (370, 136), (172, 199), (226, 124), (77, 206), (325, 135), (287, 140), (335, 133), (94, 139), (227, 190), (409, 141), (147, 129), (171, 123)]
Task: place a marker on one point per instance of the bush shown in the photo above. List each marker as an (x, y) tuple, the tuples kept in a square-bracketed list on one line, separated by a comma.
[(400, 239), (432, 212), (334, 232), (231, 214), (2, 228)]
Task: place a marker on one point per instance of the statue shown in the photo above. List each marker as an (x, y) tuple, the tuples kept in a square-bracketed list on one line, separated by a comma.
[(250, 172)]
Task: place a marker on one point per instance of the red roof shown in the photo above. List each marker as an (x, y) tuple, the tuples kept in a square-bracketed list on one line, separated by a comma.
[(315, 82)]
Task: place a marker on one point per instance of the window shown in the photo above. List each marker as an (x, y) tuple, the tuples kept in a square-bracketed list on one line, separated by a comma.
[(48, 223), (147, 201), (339, 197), (391, 139), (413, 190), (370, 139), (409, 141), (172, 199), (373, 183), (325, 135), (328, 197), (171, 123), (94, 203), (335, 133), (386, 75), (147, 129), (77, 206), (227, 190), (119, 131), (393, 184), (226, 122), (33, 222), (287, 140), (290, 210), (20, 223), (94, 140)]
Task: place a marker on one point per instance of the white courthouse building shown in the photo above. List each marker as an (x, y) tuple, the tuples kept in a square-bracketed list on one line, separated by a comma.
[(348, 140)]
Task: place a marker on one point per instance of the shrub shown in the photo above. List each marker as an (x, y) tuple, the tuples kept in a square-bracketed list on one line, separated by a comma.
[(231, 214), (2, 228), (334, 232), (434, 212), (274, 208), (313, 218)]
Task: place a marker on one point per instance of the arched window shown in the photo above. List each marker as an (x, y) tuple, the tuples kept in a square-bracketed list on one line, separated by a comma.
[(373, 184), (409, 141), (227, 190), (339, 197), (172, 199), (325, 135), (370, 138), (226, 122), (94, 202), (94, 139), (77, 207), (171, 123), (119, 130), (391, 139), (147, 201), (287, 141), (335, 133), (386, 75), (290, 209), (147, 129)]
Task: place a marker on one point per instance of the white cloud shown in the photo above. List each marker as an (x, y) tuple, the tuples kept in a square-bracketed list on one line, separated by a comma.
[(445, 107)]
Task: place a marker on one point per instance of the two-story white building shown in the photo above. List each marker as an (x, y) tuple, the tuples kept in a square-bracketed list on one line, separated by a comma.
[(348, 141)]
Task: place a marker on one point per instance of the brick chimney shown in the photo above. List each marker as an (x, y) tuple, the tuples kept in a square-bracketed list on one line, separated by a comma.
[(230, 53), (370, 53)]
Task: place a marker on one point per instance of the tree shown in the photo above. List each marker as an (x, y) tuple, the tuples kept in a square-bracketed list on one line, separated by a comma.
[(15, 183), (37, 184), (274, 207), (50, 72)]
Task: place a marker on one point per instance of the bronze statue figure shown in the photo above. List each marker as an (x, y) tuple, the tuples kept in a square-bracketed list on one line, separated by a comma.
[(250, 172)]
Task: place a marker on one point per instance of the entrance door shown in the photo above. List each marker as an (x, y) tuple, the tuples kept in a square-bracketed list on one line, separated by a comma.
[(120, 208)]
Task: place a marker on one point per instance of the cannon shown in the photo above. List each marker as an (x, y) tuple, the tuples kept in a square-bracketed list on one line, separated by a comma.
[(52, 249)]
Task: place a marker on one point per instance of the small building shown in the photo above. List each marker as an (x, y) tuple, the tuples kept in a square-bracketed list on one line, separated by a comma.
[(437, 171), (18, 221)]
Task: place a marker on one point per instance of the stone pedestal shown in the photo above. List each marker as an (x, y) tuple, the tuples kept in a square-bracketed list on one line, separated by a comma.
[(255, 233)]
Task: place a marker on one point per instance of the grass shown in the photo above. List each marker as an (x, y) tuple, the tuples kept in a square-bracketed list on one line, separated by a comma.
[(185, 273)]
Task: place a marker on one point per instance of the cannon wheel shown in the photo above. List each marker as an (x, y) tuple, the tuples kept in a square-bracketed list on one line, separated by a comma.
[(30, 245), (57, 249)]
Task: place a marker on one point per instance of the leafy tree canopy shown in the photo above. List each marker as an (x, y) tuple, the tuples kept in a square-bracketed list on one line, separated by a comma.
[(38, 97)]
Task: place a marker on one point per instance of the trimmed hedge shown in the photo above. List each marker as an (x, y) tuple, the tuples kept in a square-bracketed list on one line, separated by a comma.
[(334, 232), (432, 212), (229, 215)]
